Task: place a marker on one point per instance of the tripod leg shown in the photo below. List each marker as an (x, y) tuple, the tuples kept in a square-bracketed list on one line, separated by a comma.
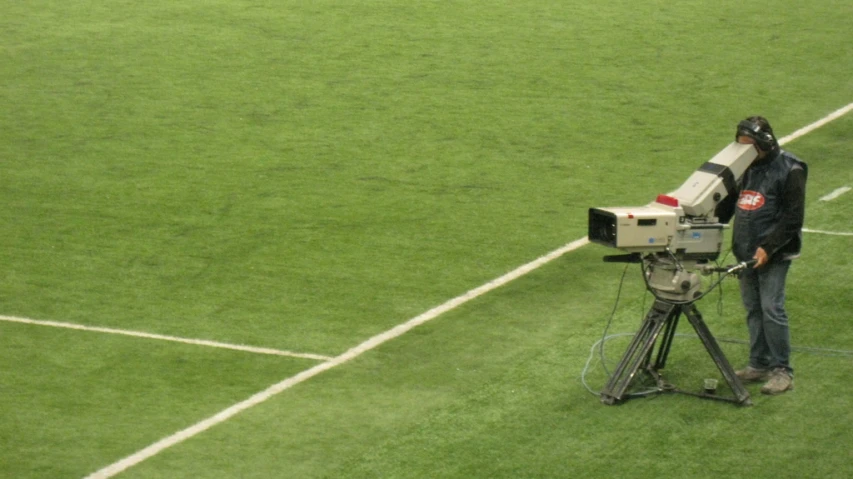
[(638, 353), (717, 355), (666, 340)]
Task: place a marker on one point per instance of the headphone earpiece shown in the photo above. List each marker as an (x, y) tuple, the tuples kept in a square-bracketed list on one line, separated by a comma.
[(763, 139)]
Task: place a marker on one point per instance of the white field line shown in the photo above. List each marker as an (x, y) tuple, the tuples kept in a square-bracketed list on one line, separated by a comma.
[(140, 334), (835, 194), (353, 353), (371, 343), (814, 126), (831, 233)]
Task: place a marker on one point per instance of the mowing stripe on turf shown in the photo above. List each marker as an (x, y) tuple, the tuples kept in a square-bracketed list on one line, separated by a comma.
[(140, 334), (375, 341)]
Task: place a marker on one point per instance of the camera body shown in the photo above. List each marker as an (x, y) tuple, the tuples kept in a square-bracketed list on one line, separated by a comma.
[(678, 230), (656, 228), (681, 222)]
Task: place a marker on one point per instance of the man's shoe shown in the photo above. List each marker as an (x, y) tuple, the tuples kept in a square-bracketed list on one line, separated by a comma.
[(780, 381), (751, 375)]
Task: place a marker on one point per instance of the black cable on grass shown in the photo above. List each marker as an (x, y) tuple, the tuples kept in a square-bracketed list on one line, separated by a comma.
[(599, 345), (610, 319), (604, 337)]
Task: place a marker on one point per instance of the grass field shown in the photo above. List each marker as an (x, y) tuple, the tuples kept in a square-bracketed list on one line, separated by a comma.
[(304, 176)]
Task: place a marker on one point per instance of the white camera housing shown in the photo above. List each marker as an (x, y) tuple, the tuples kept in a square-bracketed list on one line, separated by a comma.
[(681, 222)]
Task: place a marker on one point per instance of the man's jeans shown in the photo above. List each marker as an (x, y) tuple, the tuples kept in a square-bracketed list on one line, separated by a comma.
[(763, 294)]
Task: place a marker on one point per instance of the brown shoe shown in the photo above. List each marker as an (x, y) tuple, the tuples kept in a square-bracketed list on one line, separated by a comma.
[(780, 381), (752, 375)]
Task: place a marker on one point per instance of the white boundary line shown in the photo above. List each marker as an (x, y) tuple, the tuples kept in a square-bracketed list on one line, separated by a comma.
[(140, 334), (831, 233), (373, 342), (835, 194), (814, 126), (353, 353)]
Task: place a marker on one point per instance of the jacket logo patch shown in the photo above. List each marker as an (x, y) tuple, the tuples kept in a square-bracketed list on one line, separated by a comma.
[(750, 200)]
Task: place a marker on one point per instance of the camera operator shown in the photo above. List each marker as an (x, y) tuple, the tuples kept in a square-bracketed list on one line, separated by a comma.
[(768, 218)]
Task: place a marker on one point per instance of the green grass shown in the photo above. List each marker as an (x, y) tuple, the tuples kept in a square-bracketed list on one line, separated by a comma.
[(305, 175)]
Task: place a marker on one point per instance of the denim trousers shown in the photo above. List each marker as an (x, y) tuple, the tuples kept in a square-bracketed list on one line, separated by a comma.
[(763, 294)]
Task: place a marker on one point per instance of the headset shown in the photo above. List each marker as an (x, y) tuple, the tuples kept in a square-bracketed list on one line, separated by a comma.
[(763, 136)]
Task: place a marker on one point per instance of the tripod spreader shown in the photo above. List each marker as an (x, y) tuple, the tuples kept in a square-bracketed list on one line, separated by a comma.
[(662, 318)]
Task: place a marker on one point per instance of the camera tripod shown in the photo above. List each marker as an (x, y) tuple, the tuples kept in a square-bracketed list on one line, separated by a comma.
[(662, 318)]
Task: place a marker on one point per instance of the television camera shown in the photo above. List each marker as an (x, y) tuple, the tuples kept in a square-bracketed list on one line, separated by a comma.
[(677, 232), (674, 238)]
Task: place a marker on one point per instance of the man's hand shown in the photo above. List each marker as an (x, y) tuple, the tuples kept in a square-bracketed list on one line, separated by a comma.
[(760, 258)]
